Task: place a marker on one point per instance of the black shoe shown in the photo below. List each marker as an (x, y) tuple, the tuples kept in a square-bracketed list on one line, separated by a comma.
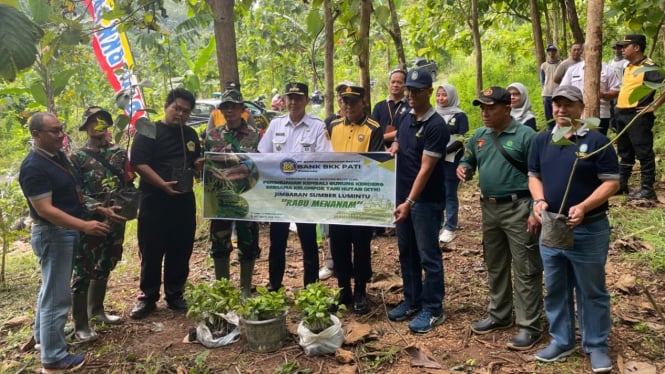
[(360, 304), (523, 340), (177, 305), (142, 309), (643, 194), (488, 325), (345, 296)]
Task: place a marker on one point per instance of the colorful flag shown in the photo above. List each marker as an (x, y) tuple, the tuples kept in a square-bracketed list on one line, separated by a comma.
[(114, 56)]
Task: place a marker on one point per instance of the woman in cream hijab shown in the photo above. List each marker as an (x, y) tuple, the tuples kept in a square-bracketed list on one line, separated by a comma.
[(447, 105), (519, 101)]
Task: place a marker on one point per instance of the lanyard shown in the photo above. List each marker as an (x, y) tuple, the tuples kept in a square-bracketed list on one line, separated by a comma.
[(390, 112)]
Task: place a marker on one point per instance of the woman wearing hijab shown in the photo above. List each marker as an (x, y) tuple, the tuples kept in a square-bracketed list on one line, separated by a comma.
[(447, 105), (519, 101)]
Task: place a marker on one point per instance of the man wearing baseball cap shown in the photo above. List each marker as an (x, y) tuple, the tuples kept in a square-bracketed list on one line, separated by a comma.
[(422, 136), (500, 151), (637, 143), (581, 267), (100, 164), (547, 84), (237, 136), (350, 245), (294, 132)]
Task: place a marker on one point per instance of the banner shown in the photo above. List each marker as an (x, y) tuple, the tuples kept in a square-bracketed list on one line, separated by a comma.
[(114, 56), (335, 187)]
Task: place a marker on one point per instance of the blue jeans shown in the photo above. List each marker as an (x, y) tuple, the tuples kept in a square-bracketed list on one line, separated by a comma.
[(581, 269), (452, 204), (54, 246), (418, 243)]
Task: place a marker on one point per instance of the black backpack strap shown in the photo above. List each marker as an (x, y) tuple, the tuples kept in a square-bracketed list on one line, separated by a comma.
[(518, 165), (103, 161)]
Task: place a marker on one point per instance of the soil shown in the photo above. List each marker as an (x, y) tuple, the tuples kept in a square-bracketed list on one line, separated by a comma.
[(155, 344)]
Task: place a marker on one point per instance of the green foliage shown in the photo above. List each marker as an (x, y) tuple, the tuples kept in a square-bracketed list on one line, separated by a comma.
[(206, 300), (18, 43), (13, 210), (315, 303), (265, 305)]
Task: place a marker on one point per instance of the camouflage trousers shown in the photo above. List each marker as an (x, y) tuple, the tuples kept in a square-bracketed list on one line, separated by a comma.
[(248, 239), (96, 256)]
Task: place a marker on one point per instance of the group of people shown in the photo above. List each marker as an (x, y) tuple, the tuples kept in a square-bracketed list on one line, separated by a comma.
[(522, 180)]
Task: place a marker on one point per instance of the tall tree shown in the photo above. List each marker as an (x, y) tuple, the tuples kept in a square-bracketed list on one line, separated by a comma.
[(328, 67), (363, 40), (593, 52), (477, 46), (537, 32), (574, 21), (225, 35)]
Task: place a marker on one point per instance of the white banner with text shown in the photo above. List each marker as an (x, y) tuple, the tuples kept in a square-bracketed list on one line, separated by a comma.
[(335, 188)]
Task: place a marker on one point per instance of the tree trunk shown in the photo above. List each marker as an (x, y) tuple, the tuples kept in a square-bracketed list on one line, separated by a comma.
[(328, 71), (225, 36), (549, 33), (537, 33), (593, 52), (477, 46), (363, 56), (564, 31), (396, 35), (578, 36)]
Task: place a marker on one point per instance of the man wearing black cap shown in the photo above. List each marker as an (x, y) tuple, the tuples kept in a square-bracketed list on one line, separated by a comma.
[(500, 152), (237, 136), (579, 267), (638, 142), (350, 245), (103, 167), (387, 112), (422, 136), (547, 70), (294, 132)]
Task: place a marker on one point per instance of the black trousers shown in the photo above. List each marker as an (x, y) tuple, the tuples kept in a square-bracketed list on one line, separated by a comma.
[(637, 143), (166, 226), (350, 247), (279, 234)]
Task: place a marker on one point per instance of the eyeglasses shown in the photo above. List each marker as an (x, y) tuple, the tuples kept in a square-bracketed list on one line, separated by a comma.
[(55, 130), (414, 91)]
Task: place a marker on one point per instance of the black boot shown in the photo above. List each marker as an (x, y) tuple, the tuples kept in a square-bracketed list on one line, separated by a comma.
[(624, 177), (645, 193), (360, 304)]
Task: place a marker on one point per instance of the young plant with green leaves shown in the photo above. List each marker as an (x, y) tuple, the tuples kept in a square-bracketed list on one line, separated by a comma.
[(207, 302), (315, 303), (265, 305), (13, 209)]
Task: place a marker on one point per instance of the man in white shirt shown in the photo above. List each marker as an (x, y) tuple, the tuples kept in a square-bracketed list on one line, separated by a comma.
[(609, 88), (294, 132)]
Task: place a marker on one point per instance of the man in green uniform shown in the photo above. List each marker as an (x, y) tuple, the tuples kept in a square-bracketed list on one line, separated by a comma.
[(103, 167), (500, 152), (228, 182)]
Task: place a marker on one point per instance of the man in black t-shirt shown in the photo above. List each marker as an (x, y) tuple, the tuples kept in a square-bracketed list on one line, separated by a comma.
[(167, 214)]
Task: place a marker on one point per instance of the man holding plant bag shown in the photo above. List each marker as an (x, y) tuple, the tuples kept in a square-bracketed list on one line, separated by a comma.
[(577, 263)]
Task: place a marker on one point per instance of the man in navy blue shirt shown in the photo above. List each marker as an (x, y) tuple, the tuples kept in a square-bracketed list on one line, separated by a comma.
[(421, 141), (53, 190)]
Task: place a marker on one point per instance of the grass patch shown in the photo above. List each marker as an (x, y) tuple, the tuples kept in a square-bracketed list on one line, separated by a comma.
[(645, 224)]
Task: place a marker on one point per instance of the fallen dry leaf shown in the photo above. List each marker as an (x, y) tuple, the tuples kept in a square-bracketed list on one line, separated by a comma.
[(626, 284), (422, 357), (18, 322), (635, 367), (344, 357), (356, 332), (384, 281)]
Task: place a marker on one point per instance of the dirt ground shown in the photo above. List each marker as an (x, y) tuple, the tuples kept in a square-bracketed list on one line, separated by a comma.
[(155, 344)]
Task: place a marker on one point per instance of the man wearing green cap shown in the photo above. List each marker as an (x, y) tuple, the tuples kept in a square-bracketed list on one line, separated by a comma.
[(103, 167), (237, 136)]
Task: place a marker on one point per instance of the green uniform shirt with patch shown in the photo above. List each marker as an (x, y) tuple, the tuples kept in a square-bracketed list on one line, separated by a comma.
[(497, 177)]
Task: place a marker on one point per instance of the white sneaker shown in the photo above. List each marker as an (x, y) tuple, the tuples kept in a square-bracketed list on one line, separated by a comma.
[(447, 236), (325, 273)]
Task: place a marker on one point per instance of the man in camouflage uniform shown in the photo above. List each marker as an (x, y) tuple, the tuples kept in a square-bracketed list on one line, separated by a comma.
[(96, 256), (236, 176)]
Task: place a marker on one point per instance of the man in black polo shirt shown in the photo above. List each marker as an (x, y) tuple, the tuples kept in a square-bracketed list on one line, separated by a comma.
[(167, 212), (53, 190), (637, 143), (422, 136)]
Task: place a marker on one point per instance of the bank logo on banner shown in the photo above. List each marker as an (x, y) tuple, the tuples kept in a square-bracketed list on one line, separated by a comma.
[(114, 56)]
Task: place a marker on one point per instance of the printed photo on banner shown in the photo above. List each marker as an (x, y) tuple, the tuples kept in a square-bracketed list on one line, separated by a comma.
[(337, 188)]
